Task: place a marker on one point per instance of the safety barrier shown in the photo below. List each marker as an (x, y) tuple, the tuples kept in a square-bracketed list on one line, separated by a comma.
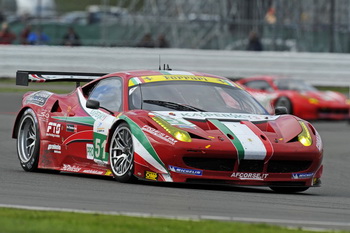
[(316, 68)]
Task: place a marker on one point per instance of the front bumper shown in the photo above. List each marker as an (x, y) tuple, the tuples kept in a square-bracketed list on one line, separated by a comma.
[(304, 170)]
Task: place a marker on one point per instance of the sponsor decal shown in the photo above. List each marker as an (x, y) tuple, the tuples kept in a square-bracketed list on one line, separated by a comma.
[(108, 172), (249, 176), (90, 151), (98, 115), (56, 148), (90, 171), (71, 128), (186, 171), (151, 175), (44, 115), (179, 77), (302, 175), (159, 134), (100, 130), (70, 168), (53, 129), (38, 98), (217, 115)]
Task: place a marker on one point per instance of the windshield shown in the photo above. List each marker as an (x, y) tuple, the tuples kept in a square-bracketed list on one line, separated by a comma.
[(294, 84), (192, 96)]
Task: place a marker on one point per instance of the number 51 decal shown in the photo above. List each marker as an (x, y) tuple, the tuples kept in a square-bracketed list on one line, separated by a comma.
[(100, 142)]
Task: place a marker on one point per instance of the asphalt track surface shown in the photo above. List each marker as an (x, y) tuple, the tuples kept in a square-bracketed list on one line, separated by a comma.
[(325, 207)]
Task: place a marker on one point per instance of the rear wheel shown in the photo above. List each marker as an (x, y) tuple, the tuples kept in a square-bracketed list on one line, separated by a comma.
[(121, 154), (289, 189), (28, 141), (284, 102)]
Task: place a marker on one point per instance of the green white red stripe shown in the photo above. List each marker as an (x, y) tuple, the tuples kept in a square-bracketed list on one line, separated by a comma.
[(246, 138), (143, 147), (134, 81)]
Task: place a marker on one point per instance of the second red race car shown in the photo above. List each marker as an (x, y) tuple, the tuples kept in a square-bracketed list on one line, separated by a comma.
[(299, 98)]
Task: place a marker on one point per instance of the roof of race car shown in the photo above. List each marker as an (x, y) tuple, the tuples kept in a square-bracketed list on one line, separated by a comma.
[(136, 73)]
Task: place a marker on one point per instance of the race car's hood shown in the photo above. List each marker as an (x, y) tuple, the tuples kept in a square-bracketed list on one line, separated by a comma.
[(286, 127)]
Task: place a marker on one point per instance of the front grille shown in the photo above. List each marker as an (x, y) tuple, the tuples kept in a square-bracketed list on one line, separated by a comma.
[(286, 166), (333, 111), (214, 164), (251, 166)]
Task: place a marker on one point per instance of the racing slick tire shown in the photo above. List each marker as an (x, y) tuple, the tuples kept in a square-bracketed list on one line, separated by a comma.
[(289, 189), (121, 154), (28, 141), (284, 102)]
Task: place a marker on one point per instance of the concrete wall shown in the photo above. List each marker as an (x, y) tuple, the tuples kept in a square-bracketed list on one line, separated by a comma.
[(317, 68)]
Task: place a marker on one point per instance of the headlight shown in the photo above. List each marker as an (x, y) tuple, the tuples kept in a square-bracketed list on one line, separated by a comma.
[(313, 101), (177, 133), (304, 137)]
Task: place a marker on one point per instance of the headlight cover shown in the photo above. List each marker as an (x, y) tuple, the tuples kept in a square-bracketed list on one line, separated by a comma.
[(177, 133), (313, 101), (304, 137)]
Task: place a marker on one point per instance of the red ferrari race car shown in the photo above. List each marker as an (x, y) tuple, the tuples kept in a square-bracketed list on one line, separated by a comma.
[(300, 98), (170, 126)]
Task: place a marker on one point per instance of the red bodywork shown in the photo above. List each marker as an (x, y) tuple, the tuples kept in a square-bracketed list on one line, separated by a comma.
[(309, 105), (67, 134)]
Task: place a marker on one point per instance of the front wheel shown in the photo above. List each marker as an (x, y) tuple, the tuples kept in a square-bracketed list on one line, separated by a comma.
[(121, 154), (289, 189), (28, 141)]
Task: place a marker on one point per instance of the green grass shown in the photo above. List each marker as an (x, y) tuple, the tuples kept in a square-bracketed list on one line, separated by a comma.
[(16, 220), (9, 85), (24, 90), (344, 90)]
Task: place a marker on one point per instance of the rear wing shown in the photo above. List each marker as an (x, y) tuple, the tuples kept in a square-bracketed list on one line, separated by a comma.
[(23, 77)]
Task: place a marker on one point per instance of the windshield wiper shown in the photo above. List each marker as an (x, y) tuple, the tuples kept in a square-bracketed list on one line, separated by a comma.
[(175, 106)]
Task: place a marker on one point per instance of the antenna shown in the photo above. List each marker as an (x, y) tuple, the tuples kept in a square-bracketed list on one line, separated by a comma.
[(165, 66)]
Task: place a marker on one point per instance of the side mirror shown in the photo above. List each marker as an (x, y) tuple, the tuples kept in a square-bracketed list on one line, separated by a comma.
[(93, 104), (281, 111)]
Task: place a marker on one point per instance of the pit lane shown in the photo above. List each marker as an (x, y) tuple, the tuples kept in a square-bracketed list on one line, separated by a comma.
[(325, 207)]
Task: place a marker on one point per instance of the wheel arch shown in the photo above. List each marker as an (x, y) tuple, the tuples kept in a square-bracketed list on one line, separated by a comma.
[(29, 158), (17, 121)]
